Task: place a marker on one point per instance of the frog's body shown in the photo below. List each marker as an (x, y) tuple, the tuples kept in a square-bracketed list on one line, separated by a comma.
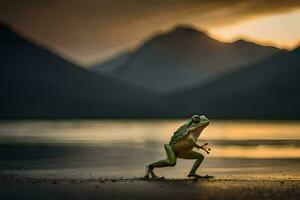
[(181, 146)]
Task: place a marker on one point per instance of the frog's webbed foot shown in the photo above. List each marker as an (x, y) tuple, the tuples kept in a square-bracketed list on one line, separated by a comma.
[(198, 176), (155, 177), (146, 177), (149, 171)]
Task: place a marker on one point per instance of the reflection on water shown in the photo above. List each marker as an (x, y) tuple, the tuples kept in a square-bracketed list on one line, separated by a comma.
[(228, 138), (257, 152), (139, 131), (122, 148)]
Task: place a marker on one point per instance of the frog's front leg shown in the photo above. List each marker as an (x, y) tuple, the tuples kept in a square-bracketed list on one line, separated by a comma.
[(168, 162), (194, 143)]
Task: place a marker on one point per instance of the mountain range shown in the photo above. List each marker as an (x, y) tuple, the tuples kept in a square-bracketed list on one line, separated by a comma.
[(181, 58), (266, 90), (261, 83), (35, 83)]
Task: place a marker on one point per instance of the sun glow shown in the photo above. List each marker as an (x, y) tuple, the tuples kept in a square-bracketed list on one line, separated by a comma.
[(269, 30)]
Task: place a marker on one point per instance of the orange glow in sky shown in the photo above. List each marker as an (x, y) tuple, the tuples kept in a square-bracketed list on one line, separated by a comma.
[(281, 30), (90, 32)]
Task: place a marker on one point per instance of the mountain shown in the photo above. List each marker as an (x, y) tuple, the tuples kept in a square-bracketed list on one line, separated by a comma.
[(181, 58), (35, 83), (113, 64), (266, 90)]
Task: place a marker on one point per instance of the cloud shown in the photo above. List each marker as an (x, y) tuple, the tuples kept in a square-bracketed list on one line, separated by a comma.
[(89, 31)]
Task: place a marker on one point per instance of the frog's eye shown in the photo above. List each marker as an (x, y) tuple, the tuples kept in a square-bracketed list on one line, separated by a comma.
[(196, 119)]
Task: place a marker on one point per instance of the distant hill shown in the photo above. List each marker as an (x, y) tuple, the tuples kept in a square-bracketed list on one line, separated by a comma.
[(35, 83), (112, 65), (266, 90), (181, 58)]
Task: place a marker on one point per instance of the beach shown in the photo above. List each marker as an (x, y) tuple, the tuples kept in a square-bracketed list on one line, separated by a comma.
[(106, 160), (64, 176), (17, 187)]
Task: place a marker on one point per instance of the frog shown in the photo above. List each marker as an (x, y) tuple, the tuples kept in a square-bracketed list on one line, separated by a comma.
[(181, 146)]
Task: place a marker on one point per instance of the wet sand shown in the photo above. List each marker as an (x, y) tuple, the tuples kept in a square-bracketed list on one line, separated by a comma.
[(93, 172), (22, 187)]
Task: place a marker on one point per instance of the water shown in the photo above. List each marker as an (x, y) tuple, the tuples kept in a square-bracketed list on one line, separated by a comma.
[(121, 148)]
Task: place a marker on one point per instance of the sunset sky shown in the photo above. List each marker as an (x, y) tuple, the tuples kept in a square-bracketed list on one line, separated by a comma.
[(88, 32)]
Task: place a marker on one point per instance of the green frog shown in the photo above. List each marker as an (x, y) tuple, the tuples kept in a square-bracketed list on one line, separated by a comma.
[(181, 146)]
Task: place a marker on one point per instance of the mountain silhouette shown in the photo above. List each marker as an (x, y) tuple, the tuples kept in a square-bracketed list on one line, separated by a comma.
[(266, 90), (35, 83), (181, 58)]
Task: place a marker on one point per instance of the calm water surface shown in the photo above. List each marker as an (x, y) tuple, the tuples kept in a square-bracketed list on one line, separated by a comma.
[(86, 148)]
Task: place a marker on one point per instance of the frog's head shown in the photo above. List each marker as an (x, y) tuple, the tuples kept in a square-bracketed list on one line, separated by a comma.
[(198, 122)]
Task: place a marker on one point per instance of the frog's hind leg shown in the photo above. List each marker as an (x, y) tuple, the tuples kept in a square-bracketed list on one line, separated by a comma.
[(168, 162), (199, 158)]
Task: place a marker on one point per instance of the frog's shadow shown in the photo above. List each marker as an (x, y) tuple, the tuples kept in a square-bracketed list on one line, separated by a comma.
[(173, 179)]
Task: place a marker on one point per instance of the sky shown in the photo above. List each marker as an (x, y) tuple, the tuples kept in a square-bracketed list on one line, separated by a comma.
[(90, 32)]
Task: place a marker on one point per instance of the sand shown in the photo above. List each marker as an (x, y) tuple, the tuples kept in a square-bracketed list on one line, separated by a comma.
[(21, 187)]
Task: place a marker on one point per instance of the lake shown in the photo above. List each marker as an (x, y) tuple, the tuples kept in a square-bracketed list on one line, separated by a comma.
[(122, 148)]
